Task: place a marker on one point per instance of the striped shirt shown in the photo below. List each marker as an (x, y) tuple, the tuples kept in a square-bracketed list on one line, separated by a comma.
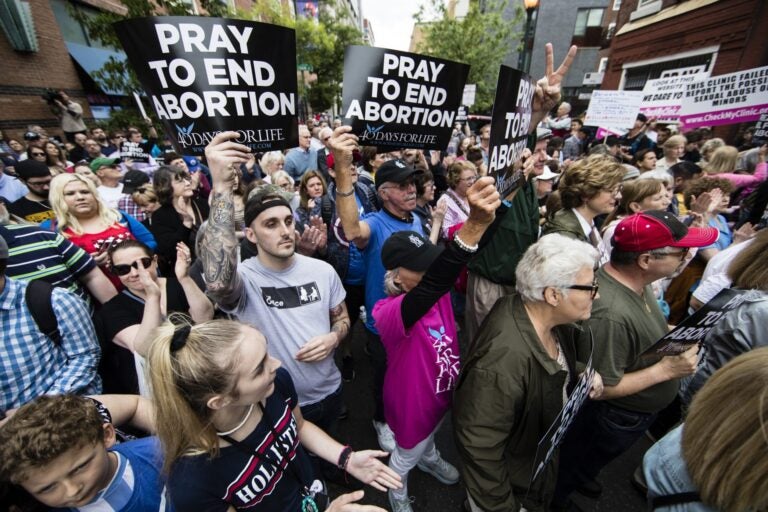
[(35, 253), (32, 364)]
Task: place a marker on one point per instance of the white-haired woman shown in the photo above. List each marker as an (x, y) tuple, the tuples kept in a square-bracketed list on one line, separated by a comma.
[(517, 372), (417, 329), (271, 162)]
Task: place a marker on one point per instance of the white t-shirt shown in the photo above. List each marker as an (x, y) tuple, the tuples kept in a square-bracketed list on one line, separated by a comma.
[(290, 307), (110, 195)]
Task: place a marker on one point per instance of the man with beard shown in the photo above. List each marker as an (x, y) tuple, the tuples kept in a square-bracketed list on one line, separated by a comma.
[(296, 301), (98, 134), (34, 206)]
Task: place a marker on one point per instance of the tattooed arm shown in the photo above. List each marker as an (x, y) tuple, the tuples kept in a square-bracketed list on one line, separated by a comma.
[(218, 250), (320, 347)]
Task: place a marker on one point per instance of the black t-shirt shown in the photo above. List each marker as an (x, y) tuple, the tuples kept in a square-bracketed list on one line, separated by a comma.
[(31, 211), (117, 366), (249, 482)]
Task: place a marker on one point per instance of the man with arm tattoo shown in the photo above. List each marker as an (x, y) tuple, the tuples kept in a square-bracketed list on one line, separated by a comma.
[(296, 301)]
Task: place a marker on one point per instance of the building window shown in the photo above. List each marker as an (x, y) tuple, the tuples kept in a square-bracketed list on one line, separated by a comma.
[(603, 66), (616, 5), (588, 30), (644, 3)]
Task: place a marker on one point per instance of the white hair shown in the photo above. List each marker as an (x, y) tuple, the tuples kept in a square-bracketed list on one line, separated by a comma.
[(552, 262), (659, 175)]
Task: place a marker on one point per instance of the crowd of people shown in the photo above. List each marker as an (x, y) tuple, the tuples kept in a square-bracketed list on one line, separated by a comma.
[(177, 334)]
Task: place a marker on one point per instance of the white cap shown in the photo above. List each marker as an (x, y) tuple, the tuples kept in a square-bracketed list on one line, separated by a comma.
[(547, 174)]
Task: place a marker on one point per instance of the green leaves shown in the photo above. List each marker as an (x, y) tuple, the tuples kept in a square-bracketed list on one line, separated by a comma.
[(481, 39)]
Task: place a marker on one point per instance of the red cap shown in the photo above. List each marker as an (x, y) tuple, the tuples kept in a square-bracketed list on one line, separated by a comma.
[(656, 229)]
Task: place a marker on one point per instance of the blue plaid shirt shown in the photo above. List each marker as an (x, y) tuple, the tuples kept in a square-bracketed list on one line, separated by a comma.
[(31, 364)]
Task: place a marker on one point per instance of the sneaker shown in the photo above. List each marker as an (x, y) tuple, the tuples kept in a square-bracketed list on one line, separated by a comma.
[(441, 469), (348, 368), (385, 436), (399, 505)]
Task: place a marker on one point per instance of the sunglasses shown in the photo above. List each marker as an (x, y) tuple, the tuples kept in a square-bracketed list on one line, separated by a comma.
[(121, 270), (38, 154)]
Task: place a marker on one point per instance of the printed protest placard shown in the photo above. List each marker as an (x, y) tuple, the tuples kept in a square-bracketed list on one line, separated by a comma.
[(695, 328), (134, 151), (556, 432), (613, 109), (760, 136), (510, 122), (207, 75), (739, 97), (663, 97), (399, 99)]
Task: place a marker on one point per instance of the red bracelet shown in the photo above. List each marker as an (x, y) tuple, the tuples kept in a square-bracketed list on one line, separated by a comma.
[(344, 457)]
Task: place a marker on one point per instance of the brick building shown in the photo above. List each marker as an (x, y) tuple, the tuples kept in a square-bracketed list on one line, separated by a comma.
[(715, 36)]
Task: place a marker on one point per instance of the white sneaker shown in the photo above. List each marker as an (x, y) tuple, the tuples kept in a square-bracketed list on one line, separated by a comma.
[(399, 505), (385, 436), (441, 469)]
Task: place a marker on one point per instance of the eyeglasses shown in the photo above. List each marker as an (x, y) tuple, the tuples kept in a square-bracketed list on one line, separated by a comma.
[(469, 179), (38, 183), (586, 287), (35, 153), (615, 190), (680, 254), (121, 270)]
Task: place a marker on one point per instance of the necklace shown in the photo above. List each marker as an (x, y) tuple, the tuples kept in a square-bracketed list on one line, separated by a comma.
[(239, 425), (647, 307)]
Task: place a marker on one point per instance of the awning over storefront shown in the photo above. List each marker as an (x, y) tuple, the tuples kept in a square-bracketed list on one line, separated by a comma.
[(93, 59)]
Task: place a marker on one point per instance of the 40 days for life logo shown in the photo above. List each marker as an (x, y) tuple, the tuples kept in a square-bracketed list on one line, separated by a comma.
[(375, 135), (254, 139)]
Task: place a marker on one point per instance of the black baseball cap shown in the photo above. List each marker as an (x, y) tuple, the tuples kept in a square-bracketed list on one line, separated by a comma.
[(133, 180), (31, 136), (31, 169), (410, 250), (396, 171)]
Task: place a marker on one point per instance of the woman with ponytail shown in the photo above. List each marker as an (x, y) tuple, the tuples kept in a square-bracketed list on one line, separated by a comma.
[(232, 432)]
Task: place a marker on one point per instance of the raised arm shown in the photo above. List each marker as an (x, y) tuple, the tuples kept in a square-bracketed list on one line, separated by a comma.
[(218, 249), (342, 144), (547, 93)]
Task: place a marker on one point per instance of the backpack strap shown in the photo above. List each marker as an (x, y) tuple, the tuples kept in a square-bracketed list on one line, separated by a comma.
[(38, 297), (674, 499)]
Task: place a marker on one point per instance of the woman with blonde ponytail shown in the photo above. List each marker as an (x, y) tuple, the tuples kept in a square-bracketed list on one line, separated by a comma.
[(232, 432)]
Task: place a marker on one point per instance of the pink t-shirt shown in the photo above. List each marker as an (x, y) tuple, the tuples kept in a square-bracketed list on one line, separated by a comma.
[(422, 368)]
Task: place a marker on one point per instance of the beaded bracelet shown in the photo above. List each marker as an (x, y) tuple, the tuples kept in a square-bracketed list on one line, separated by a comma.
[(463, 245)]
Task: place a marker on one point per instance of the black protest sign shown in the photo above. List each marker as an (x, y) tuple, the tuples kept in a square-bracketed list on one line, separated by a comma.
[(510, 123), (208, 75), (399, 99), (133, 151), (695, 328), (760, 136), (548, 444)]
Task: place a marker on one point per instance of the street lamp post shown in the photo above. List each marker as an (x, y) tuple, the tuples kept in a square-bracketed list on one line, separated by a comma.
[(524, 60)]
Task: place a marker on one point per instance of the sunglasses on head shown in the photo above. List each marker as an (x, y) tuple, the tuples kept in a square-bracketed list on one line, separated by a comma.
[(125, 269)]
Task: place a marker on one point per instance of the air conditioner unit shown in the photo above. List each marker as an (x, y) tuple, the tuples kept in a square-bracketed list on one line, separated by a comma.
[(593, 78), (16, 22)]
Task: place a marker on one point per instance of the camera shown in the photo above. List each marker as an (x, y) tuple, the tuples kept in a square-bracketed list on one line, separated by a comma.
[(51, 96)]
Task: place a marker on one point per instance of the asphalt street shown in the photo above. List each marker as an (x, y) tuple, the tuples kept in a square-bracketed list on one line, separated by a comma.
[(432, 496)]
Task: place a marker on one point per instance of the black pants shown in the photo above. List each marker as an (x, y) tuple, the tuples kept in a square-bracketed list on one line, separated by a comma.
[(379, 363)]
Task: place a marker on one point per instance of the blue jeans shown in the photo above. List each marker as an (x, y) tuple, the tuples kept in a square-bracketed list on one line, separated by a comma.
[(600, 433)]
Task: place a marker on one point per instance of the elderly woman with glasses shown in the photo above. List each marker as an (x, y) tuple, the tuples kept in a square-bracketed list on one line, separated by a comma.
[(517, 375), (461, 176), (179, 216), (129, 318)]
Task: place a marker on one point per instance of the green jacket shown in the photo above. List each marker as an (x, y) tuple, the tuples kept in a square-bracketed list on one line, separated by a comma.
[(565, 223), (508, 395), (517, 231)]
